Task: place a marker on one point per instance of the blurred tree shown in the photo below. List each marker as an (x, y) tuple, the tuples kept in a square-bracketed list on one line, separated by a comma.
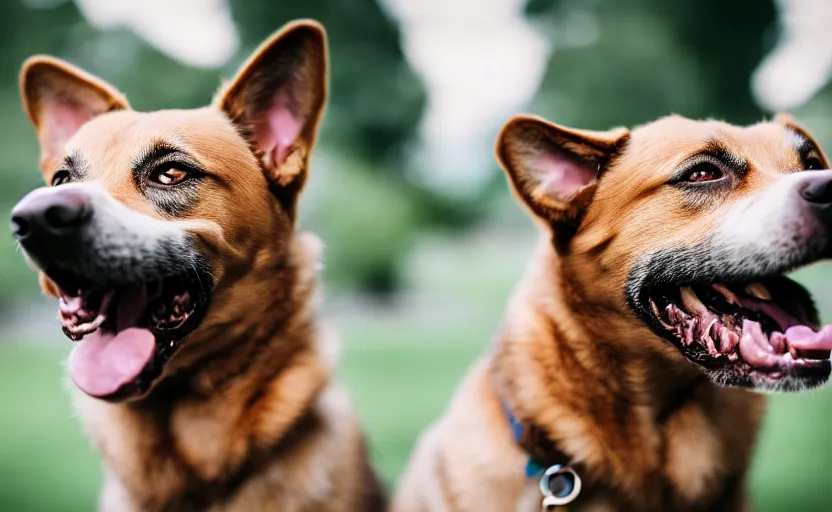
[(376, 101), (625, 63)]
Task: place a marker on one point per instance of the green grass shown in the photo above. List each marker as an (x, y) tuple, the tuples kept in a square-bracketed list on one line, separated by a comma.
[(399, 390), (46, 463)]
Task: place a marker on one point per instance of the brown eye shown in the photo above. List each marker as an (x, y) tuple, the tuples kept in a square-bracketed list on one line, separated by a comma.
[(812, 163), (60, 178), (704, 172), (169, 176)]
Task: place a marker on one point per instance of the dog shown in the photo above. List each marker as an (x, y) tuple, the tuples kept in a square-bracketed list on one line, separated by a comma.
[(621, 376), (169, 239)]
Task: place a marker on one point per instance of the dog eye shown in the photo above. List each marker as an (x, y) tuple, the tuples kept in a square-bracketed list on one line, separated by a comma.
[(60, 178), (813, 163), (168, 176), (702, 172)]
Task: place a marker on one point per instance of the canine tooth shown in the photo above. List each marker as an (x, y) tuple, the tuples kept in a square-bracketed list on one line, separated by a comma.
[(757, 290), (659, 316), (728, 294), (654, 308), (691, 301)]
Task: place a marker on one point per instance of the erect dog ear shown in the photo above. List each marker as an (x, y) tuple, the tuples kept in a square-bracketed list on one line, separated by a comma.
[(555, 169), (277, 98), (59, 98), (792, 124)]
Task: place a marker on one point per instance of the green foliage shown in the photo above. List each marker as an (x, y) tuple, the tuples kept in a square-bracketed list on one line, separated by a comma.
[(365, 220), (376, 99), (625, 63)]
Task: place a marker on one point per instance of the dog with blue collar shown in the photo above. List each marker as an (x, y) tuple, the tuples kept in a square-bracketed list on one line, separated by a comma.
[(654, 307)]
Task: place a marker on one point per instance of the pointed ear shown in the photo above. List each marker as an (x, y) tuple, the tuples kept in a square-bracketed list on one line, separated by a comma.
[(555, 169), (59, 98), (791, 123), (784, 118), (277, 98)]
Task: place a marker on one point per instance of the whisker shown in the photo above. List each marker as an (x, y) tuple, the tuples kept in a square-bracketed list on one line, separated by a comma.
[(201, 286)]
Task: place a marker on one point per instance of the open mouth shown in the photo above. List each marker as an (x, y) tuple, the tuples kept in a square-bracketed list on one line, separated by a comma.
[(762, 330), (128, 333)]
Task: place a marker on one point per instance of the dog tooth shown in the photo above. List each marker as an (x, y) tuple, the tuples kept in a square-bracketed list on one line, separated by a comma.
[(757, 290), (691, 301), (655, 308), (725, 292), (659, 316)]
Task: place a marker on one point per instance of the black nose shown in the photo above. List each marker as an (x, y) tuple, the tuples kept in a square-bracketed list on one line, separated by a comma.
[(818, 189), (50, 212)]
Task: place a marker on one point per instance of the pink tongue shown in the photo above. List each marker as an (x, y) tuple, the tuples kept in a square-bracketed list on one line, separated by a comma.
[(754, 346), (802, 337), (104, 362)]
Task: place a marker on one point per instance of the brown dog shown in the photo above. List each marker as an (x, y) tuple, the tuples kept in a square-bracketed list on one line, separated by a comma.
[(655, 302), (169, 238)]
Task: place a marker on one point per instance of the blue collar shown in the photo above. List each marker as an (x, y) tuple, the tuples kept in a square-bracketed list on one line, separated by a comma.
[(534, 469)]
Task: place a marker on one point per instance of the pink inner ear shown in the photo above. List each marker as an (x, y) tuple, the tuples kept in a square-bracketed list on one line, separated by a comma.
[(280, 129), (60, 122), (561, 175)]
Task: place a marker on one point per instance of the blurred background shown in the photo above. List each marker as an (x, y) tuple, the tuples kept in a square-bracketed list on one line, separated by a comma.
[(423, 240)]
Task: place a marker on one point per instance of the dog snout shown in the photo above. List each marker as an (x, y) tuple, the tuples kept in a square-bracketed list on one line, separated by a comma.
[(51, 213), (816, 189)]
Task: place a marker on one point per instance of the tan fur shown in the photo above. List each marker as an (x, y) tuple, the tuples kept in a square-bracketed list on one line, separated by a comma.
[(246, 415), (625, 408)]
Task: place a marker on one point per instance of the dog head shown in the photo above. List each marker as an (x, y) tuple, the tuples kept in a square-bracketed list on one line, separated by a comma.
[(687, 228), (167, 227)]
